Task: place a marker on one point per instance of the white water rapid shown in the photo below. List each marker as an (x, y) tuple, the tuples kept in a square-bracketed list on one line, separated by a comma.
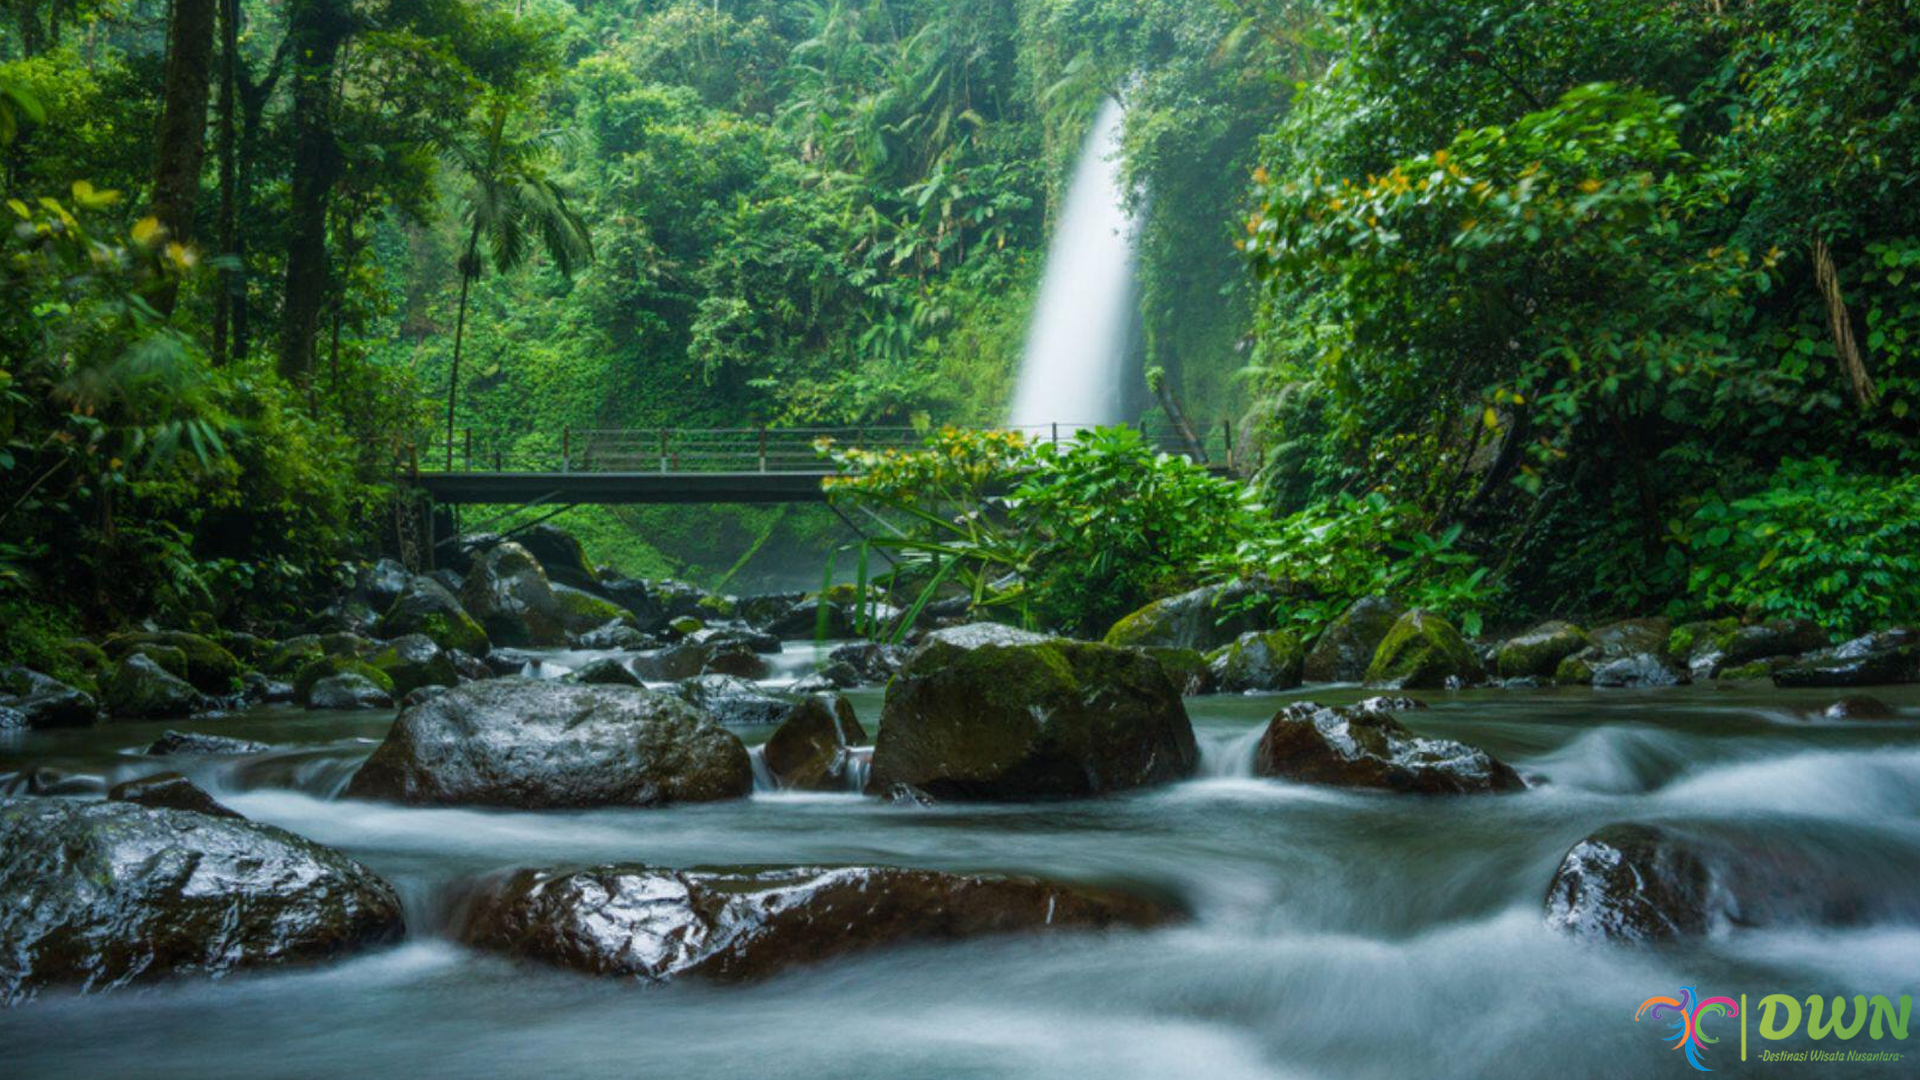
[(1071, 372)]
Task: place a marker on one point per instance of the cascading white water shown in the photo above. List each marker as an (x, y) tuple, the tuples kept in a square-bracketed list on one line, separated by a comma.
[(1071, 371)]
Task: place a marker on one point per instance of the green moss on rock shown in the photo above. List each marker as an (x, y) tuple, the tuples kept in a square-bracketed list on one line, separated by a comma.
[(1538, 652), (1259, 660), (329, 666), (1423, 651), (210, 668)]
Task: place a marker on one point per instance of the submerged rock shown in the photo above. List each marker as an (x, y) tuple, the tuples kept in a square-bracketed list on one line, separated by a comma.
[(545, 744), (1367, 748), (984, 712), (1650, 883), (1877, 659), (810, 751), (192, 742), (730, 700), (1859, 707), (98, 895), (508, 594), (693, 657), (46, 780), (1258, 660), (168, 790), (1345, 649), (1423, 652), (140, 689), (1202, 619), (733, 925), (1537, 652)]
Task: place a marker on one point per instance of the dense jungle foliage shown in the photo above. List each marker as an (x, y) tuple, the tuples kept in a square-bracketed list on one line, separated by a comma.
[(1523, 308)]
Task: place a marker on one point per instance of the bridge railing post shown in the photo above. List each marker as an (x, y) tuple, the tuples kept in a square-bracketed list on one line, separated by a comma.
[(566, 448), (469, 449), (763, 448), (1226, 429), (663, 450)]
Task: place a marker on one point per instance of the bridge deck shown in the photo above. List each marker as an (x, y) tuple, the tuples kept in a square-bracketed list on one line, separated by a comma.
[(501, 488)]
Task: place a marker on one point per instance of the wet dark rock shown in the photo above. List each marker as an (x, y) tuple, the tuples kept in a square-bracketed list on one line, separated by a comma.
[(171, 660), (1640, 669), (1538, 651), (1859, 707), (1878, 659), (760, 611), (582, 612), (544, 744), (616, 634), (837, 675), (347, 644), (989, 712), (508, 594), (749, 923), (1258, 660), (1368, 748), (39, 701), (46, 780), (168, 791), (139, 689), (1653, 883), (903, 795), (803, 620), (690, 658), (414, 661), (99, 895), (420, 695), (606, 671), (348, 692), (290, 655), (468, 667), (638, 600), (193, 742), (210, 668), (1423, 652), (378, 584), (560, 555), (728, 699), (259, 689), (1345, 649), (1389, 704), (810, 751), (430, 608), (509, 662), (1203, 619), (874, 661)]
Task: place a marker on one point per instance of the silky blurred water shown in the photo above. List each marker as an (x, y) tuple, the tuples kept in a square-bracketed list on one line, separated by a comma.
[(1335, 934)]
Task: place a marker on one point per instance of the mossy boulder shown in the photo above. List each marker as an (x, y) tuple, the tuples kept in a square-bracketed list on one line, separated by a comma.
[(1538, 651), (1629, 652), (1345, 649), (992, 713), (508, 594), (1204, 619), (1880, 658), (1188, 668), (1709, 648), (38, 702), (292, 654), (210, 668), (139, 689), (349, 691), (581, 612), (560, 555), (1258, 660), (428, 607), (413, 661), (171, 660), (328, 666), (1424, 652)]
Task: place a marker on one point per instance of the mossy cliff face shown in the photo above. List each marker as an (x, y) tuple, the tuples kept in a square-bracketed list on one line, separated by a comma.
[(1424, 652), (979, 715)]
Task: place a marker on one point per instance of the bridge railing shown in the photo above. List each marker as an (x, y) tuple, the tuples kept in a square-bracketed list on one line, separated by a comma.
[(717, 450)]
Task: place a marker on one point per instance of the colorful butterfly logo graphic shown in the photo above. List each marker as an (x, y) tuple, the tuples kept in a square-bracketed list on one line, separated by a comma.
[(1685, 1013)]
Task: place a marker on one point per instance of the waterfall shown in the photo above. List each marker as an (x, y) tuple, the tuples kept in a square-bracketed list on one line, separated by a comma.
[(1072, 370)]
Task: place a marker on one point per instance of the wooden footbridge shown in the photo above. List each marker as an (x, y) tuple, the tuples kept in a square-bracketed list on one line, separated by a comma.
[(679, 465)]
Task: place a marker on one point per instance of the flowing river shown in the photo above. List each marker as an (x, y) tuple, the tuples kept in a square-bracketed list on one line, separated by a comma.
[(1334, 934)]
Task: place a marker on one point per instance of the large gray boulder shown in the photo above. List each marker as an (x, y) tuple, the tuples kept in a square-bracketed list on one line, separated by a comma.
[(1345, 648), (139, 689), (736, 924), (545, 744), (1365, 747), (98, 895), (984, 712), (40, 701), (508, 593)]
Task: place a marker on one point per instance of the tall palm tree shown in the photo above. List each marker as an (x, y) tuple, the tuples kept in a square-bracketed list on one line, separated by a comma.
[(510, 206)]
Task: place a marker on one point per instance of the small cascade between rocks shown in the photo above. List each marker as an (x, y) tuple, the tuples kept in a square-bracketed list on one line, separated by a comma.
[(1229, 756), (762, 776), (856, 765), (1073, 369)]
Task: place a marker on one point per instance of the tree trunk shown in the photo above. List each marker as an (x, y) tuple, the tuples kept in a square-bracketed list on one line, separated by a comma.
[(1827, 278), (467, 265), (316, 29), (230, 279), (182, 143)]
